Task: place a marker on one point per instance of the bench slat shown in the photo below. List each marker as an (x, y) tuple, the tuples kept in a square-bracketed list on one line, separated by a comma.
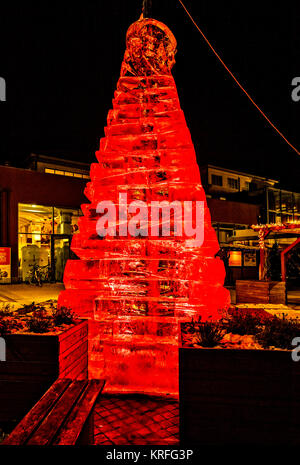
[(37, 414), (80, 414), (50, 426)]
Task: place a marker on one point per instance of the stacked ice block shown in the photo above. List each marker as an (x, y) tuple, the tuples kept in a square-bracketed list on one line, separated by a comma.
[(137, 290)]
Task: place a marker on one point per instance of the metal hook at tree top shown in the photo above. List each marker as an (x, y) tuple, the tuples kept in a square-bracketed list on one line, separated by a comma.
[(147, 6)]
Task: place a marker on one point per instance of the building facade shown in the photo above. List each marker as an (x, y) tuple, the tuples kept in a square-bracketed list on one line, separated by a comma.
[(40, 208), (39, 212), (238, 200)]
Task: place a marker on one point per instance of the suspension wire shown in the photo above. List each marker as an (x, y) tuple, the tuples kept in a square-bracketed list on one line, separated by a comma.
[(236, 80), (147, 6)]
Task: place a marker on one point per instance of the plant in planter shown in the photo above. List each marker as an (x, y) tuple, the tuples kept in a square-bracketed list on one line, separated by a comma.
[(279, 332), (230, 396), (42, 344), (39, 322), (37, 319), (8, 325), (5, 310), (63, 316), (209, 334), (235, 329), (242, 323)]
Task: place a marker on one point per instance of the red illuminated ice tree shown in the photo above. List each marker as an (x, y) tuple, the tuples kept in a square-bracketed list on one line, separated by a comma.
[(137, 287)]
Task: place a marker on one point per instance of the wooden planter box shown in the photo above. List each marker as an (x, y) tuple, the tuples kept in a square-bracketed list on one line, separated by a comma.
[(34, 362), (230, 396), (267, 292)]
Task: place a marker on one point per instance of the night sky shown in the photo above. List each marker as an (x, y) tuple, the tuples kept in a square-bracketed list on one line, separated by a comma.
[(61, 61)]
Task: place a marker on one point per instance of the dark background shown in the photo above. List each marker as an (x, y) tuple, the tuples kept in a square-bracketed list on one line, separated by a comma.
[(61, 61)]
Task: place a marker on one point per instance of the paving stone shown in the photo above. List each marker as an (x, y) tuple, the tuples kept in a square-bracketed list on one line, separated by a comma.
[(140, 420)]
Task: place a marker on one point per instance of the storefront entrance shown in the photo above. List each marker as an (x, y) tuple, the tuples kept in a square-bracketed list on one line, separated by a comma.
[(60, 253), (44, 240)]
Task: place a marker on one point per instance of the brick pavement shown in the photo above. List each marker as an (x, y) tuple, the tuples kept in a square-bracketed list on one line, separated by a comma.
[(136, 420)]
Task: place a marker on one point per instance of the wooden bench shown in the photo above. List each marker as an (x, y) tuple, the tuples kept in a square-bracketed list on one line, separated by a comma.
[(63, 416)]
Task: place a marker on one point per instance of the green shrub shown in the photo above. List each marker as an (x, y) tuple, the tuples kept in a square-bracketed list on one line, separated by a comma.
[(63, 316), (242, 323), (209, 334), (278, 332), (8, 325), (5, 310), (39, 322)]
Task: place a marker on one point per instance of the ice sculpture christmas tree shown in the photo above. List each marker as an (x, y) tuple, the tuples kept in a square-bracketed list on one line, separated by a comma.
[(137, 290)]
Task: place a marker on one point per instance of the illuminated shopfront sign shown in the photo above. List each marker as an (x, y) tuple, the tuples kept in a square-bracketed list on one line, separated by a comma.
[(5, 265)]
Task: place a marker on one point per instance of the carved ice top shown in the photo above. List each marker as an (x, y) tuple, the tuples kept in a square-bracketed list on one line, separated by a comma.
[(150, 49)]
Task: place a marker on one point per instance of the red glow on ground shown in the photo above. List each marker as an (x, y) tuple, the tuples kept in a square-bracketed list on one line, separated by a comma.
[(136, 291)]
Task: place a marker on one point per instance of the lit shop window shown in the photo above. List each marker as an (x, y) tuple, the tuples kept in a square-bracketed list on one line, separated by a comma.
[(235, 258), (65, 221), (66, 173), (44, 237), (34, 241), (41, 220)]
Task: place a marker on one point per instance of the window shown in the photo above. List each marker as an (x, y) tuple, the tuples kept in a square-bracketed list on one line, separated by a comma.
[(224, 235), (217, 180), (272, 201), (37, 225), (66, 221), (235, 258), (297, 203), (67, 173), (233, 183), (272, 217)]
